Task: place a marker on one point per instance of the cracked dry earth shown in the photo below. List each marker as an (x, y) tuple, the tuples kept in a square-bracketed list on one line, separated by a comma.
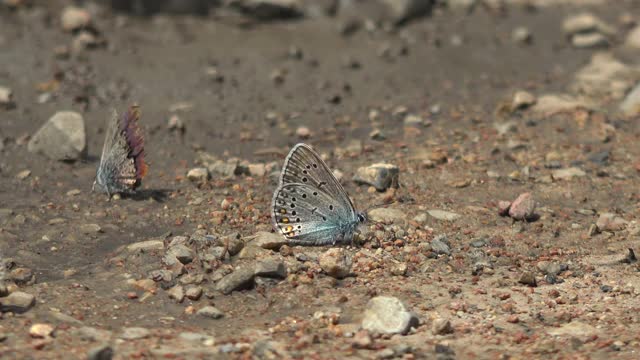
[(471, 113)]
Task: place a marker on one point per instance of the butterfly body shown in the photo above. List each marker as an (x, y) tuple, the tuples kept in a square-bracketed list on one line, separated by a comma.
[(122, 164), (310, 206)]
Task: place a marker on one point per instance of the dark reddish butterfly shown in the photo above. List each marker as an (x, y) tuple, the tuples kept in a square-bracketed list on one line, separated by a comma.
[(122, 165)]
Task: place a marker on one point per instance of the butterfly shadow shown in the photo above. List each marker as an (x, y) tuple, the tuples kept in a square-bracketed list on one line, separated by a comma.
[(159, 195)]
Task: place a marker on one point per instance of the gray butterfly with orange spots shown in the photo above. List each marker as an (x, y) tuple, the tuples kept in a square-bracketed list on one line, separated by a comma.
[(310, 206)]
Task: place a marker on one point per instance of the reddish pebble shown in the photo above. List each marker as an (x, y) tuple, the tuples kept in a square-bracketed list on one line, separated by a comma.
[(132, 295), (523, 207), (513, 319), (503, 207)]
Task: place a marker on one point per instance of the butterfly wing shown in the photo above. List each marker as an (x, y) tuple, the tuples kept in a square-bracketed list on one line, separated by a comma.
[(307, 216), (304, 166), (323, 211), (122, 164)]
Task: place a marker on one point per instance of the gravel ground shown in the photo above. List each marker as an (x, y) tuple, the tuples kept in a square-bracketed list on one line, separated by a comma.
[(510, 128)]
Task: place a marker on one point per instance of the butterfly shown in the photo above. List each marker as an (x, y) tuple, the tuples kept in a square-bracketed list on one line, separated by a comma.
[(310, 206), (122, 164)]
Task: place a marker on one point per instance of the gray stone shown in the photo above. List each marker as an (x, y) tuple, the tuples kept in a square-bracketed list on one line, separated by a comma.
[(198, 175), (403, 10), (176, 293), (585, 23), (267, 240), (444, 215), (380, 176), (387, 215), (271, 268), (90, 229), (611, 222), (633, 38), (6, 97), (234, 243), (210, 312), (568, 174), (462, 5), (551, 104), (522, 100), (241, 278), (441, 327), (17, 302), (529, 279), (388, 315), (179, 252), (62, 137), (521, 35), (440, 245), (591, 40), (22, 276), (147, 245), (102, 352), (605, 76), (335, 262), (574, 329), (550, 268), (74, 18), (193, 293), (197, 338), (134, 333), (88, 333), (631, 103), (268, 9)]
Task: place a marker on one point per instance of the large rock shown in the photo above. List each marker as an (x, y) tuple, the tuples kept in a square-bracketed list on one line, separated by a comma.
[(388, 315), (62, 137), (380, 176)]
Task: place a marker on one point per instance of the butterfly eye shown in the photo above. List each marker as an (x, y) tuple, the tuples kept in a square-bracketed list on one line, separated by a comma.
[(324, 218), (304, 179), (315, 166), (293, 206), (305, 172), (308, 167), (330, 207), (297, 219), (293, 213), (293, 199), (315, 193), (304, 196)]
